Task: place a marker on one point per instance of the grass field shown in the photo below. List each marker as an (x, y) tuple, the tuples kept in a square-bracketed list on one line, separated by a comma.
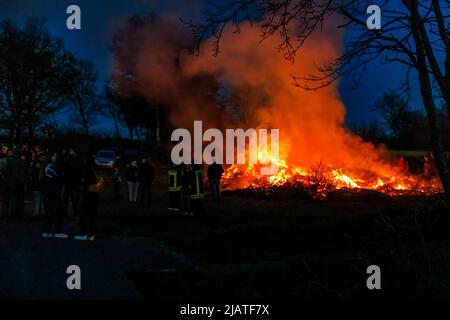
[(248, 248)]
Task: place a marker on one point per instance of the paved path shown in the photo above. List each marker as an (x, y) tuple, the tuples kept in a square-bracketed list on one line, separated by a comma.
[(35, 268)]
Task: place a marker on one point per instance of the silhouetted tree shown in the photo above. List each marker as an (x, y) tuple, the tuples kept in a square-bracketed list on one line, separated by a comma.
[(243, 98), (128, 108), (177, 96), (110, 107), (393, 109), (372, 132), (414, 133), (35, 76), (136, 113), (85, 103)]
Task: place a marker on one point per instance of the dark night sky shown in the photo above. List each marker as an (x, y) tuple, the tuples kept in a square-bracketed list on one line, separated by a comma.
[(100, 18)]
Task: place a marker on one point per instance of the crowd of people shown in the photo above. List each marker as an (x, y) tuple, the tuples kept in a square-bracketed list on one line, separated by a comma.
[(139, 177), (57, 178), (186, 189)]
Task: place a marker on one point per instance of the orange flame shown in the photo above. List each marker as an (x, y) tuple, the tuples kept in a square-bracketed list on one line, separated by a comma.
[(325, 178)]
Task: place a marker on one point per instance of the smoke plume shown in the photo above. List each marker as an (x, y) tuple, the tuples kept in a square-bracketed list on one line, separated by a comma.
[(248, 84)]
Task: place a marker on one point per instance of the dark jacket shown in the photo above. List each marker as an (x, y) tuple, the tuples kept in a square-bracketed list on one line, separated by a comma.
[(36, 171), (188, 179), (146, 174), (73, 172), (215, 172), (132, 174), (89, 178), (16, 173), (51, 182)]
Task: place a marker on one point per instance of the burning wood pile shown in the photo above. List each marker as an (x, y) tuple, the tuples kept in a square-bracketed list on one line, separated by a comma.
[(323, 179)]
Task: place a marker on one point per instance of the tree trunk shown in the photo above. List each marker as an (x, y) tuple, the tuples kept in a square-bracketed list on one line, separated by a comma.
[(435, 123), (116, 127), (30, 136), (85, 126), (437, 143), (130, 131), (147, 134), (137, 133), (17, 133)]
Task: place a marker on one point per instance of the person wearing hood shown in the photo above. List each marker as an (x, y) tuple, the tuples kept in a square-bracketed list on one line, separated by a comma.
[(92, 186), (51, 187), (15, 182), (215, 172), (72, 182)]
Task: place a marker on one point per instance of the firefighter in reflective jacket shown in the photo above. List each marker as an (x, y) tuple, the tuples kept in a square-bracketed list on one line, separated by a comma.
[(175, 188), (197, 193)]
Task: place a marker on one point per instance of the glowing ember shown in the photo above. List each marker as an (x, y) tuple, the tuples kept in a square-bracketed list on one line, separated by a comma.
[(322, 179)]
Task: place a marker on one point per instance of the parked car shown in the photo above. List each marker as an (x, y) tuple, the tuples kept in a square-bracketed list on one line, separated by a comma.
[(108, 158)]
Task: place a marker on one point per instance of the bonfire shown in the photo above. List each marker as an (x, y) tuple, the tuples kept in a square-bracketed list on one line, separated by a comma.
[(323, 178)]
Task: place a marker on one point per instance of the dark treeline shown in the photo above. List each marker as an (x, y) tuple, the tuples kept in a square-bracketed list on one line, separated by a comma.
[(401, 127), (40, 78)]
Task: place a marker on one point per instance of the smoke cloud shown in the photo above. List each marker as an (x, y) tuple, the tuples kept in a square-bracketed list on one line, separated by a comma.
[(248, 84)]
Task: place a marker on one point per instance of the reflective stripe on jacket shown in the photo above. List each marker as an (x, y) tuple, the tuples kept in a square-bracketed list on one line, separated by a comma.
[(197, 191), (175, 176)]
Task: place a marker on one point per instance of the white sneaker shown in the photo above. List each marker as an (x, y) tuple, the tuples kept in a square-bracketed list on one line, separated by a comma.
[(47, 235), (61, 236), (91, 238), (81, 238)]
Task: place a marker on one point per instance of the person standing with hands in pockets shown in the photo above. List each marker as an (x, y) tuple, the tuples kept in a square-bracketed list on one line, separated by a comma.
[(132, 175), (92, 186)]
